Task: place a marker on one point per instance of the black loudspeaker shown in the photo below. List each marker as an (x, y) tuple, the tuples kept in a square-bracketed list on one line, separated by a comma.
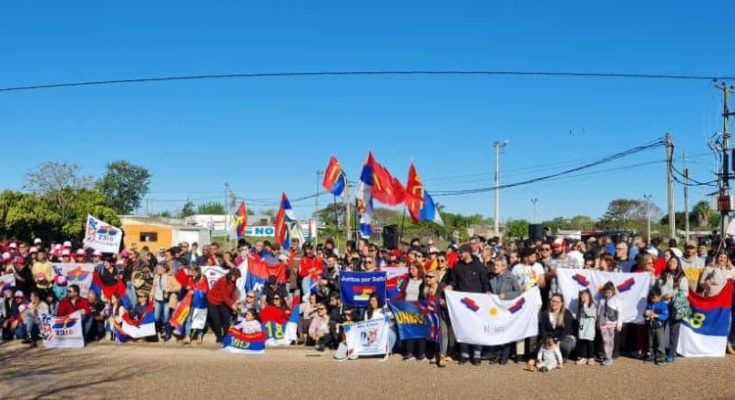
[(535, 232), (390, 237)]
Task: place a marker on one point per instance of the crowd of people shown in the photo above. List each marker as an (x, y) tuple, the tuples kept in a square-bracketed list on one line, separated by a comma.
[(592, 333)]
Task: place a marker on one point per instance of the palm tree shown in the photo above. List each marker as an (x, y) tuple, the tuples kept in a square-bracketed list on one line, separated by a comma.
[(702, 212)]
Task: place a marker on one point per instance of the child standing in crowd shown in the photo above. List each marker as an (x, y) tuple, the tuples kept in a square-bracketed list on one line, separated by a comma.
[(657, 313), (587, 315), (549, 356), (609, 321)]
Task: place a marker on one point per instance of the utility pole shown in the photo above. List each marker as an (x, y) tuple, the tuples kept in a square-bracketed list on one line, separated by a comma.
[(498, 145), (724, 204), (316, 205), (535, 216), (648, 217), (670, 180), (686, 197)]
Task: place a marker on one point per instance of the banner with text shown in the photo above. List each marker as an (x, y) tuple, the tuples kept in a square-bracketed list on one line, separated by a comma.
[(367, 338), (244, 343), (485, 319), (356, 287), (416, 320), (62, 332), (77, 274), (102, 236)]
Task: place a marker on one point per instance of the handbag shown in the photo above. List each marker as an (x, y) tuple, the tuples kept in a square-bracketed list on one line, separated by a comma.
[(680, 306)]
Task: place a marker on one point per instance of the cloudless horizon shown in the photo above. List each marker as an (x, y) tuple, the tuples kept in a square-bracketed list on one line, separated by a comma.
[(264, 136)]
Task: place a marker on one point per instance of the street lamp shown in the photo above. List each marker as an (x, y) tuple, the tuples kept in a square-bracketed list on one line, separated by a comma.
[(498, 145)]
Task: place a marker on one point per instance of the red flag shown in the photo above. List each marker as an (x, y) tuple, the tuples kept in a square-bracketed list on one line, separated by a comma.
[(334, 177), (414, 194), (385, 188)]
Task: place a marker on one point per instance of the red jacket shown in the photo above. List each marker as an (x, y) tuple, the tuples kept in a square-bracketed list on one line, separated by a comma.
[(66, 308), (223, 292)]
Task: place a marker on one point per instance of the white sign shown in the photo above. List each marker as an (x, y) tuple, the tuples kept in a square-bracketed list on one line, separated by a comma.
[(367, 338), (485, 319), (77, 274), (102, 236), (631, 290), (62, 332)]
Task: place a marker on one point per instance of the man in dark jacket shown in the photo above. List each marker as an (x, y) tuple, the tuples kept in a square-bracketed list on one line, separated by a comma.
[(469, 275)]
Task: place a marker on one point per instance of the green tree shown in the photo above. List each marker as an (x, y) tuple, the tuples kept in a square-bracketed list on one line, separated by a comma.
[(57, 182), (187, 210), (517, 228), (702, 215), (124, 185), (581, 222), (211, 208), (628, 214)]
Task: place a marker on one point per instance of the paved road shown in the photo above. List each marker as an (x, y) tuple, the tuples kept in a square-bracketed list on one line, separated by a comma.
[(158, 371)]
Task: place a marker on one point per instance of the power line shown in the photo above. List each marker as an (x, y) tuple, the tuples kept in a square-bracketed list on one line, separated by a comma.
[(637, 149), (614, 75)]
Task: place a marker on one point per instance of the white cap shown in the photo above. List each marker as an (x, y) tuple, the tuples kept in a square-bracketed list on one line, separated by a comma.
[(57, 247), (67, 245), (81, 252), (97, 253), (13, 245), (6, 256), (37, 241), (34, 249), (652, 251), (65, 252)]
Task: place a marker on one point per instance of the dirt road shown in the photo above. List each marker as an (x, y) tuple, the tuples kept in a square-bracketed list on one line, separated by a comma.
[(158, 371)]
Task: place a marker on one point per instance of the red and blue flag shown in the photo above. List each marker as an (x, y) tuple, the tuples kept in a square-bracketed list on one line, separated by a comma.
[(334, 177)]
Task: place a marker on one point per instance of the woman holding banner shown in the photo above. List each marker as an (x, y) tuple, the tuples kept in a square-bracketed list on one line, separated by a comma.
[(376, 311), (713, 280), (674, 287), (221, 303), (412, 289)]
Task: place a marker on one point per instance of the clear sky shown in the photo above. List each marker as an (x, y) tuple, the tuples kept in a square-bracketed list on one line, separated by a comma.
[(268, 135)]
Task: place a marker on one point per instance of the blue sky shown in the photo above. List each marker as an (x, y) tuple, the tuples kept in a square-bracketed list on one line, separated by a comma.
[(268, 135)]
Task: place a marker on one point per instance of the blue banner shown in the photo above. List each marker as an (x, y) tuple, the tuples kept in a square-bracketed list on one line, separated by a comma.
[(416, 320), (356, 287)]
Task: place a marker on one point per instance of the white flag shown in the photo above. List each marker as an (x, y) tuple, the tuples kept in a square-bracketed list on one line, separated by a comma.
[(631, 290), (485, 319)]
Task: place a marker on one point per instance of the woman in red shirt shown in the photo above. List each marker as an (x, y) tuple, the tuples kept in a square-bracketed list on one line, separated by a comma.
[(221, 303)]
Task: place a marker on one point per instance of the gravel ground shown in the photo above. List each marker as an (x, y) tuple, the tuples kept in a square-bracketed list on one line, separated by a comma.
[(165, 371)]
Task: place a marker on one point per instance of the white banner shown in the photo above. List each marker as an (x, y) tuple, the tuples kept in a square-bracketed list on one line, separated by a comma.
[(485, 319), (367, 338), (102, 236), (213, 273), (6, 282), (631, 290), (77, 274), (62, 332)]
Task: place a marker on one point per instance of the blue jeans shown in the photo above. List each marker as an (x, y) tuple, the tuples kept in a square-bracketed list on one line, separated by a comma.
[(130, 292), (160, 312)]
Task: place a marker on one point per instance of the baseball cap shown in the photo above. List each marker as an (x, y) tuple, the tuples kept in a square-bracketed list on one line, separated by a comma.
[(81, 252), (37, 241), (18, 260), (124, 254), (19, 294), (13, 245), (60, 280), (33, 249), (97, 253), (6, 256), (558, 242), (65, 252), (67, 245), (465, 248)]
